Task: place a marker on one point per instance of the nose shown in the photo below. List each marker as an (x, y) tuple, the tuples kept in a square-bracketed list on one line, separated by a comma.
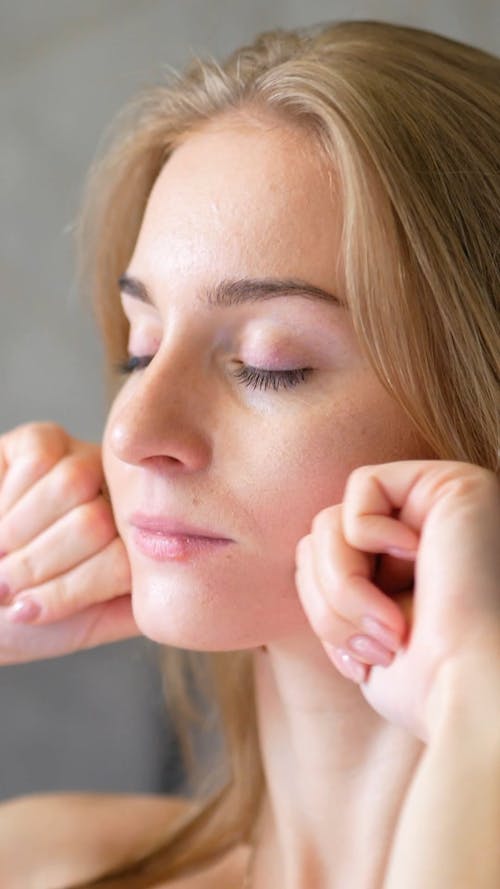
[(162, 417)]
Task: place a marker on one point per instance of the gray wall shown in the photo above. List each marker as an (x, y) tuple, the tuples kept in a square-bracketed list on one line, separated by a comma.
[(95, 720)]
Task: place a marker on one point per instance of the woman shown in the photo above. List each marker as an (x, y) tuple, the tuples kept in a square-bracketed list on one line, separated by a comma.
[(301, 468)]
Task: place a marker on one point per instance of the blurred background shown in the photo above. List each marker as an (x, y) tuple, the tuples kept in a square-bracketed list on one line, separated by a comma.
[(96, 720)]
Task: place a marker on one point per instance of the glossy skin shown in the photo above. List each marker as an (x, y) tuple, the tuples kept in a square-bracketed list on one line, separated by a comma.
[(186, 439)]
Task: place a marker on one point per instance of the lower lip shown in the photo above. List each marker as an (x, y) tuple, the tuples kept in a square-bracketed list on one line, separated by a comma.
[(175, 547)]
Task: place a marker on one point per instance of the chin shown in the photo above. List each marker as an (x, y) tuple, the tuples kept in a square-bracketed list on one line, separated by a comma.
[(200, 620)]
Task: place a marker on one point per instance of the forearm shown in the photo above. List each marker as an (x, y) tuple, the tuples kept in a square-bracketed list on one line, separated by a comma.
[(448, 835)]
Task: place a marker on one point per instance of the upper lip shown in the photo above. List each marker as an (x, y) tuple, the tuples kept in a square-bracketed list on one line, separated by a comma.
[(169, 525)]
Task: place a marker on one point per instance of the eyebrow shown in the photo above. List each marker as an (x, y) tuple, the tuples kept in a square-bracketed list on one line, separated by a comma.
[(235, 292)]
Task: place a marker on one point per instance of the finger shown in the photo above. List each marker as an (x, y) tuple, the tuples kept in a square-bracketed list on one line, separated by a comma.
[(326, 623), (105, 576), (26, 454), (374, 493), (446, 502), (357, 667), (75, 538), (97, 625), (106, 623), (344, 574), (74, 480), (341, 639), (346, 663)]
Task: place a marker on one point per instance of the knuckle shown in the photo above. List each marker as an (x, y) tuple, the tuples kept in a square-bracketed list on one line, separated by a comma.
[(26, 568), (89, 450), (75, 482), (39, 463), (49, 428), (326, 518), (358, 476), (462, 480), (38, 445), (95, 522), (89, 456), (323, 620), (56, 596), (476, 478), (45, 435)]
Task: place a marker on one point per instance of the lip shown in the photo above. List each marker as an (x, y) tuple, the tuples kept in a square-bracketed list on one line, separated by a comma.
[(164, 526), (173, 540)]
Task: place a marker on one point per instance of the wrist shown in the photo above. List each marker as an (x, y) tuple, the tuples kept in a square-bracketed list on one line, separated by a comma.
[(465, 700)]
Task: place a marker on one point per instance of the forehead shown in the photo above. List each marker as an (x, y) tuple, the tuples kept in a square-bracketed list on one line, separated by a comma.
[(239, 191)]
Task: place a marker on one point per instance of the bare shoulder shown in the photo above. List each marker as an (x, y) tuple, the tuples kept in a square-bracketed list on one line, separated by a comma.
[(70, 837)]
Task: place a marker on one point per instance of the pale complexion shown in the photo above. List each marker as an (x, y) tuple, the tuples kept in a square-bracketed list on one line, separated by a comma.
[(245, 198)]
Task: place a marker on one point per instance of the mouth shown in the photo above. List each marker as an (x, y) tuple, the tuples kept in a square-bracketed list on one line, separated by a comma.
[(169, 539)]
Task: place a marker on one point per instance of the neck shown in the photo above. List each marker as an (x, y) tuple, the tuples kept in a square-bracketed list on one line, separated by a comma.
[(336, 774)]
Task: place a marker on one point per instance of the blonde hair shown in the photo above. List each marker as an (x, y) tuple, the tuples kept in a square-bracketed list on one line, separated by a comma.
[(411, 123)]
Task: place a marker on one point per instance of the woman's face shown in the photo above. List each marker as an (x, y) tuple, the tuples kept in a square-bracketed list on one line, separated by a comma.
[(231, 272)]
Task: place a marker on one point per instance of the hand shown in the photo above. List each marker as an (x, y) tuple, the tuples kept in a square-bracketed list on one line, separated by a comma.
[(61, 553), (433, 590)]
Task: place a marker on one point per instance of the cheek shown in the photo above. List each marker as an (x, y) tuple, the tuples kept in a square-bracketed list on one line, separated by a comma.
[(307, 468), (275, 482), (109, 461)]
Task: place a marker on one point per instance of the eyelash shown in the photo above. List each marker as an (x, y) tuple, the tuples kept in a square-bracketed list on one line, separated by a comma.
[(253, 377)]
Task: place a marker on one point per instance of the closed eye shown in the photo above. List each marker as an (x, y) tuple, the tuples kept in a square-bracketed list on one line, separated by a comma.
[(260, 378), (253, 377)]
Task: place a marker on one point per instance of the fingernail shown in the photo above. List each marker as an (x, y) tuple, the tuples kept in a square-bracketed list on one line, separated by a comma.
[(387, 637), (370, 650), (4, 591), (24, 611), (352, 668), (408, 554)]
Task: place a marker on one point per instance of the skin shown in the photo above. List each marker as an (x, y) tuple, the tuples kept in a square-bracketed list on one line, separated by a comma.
[(302, 482), (247, 197), (184, 437)]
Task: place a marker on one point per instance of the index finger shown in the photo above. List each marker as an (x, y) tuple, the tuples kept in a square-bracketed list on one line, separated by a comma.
[(372, 495), (27, 453), (386, 505)]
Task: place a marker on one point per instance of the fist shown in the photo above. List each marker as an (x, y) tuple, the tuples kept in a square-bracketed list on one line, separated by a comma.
[(402, 579), (64, 572)]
